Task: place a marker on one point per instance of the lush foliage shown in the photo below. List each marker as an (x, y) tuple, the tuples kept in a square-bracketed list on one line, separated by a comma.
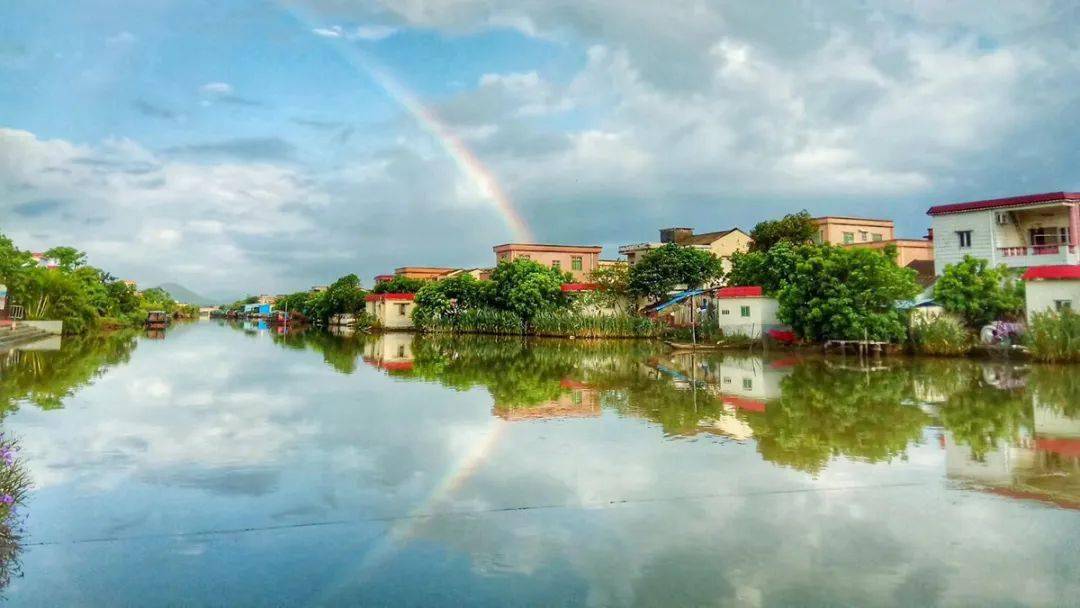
[(978, 293), (525, 287), (771, 269), (14, 486), (343, 296), (1055, 336), (665, 269), (941, 335), (81, 296), (794, 228), (612, 284), (439, 299), (399, 284), (483, 320), (846, 294)]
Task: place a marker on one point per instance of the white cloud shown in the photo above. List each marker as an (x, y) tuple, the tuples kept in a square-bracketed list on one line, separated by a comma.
[(333, 31), (216, 88), (373, 32)]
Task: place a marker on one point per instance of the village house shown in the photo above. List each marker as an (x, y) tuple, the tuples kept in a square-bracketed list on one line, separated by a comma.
[(721, 243), (391, 352), (1051, 288), (423, 272), (1019, 231), (578, 260), (841, 230), (746, 311), (391, 310)]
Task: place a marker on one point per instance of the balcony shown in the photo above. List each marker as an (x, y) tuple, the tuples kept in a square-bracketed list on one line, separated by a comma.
[(1037, 255)]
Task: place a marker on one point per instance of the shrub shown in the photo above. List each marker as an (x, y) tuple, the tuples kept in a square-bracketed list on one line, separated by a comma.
[(941, 335), (476, 321), (1055, 336)]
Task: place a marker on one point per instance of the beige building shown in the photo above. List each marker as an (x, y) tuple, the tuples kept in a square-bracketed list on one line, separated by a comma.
[(391, 352), (578, 260), (907, 250), (423, 272), (392, 311), (838, 230), (721, 243)]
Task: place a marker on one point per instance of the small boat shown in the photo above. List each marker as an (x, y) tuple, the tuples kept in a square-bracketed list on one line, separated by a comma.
[(157, 319)]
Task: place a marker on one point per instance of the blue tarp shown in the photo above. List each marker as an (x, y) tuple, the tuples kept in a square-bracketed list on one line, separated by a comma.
[(678, 298), (259, 309)]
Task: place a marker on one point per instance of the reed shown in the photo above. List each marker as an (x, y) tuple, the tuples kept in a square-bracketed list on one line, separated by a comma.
[(1055, 336), (943, 335)]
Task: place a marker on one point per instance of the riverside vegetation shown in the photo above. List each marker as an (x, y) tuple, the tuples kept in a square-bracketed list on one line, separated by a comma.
[(82, 296)]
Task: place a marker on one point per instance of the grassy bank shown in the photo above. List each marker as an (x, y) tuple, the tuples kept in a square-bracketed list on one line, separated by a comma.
[(562, 324), (1055, 336)]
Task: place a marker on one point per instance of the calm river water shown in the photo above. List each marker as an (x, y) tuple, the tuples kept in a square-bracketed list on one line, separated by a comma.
[(228, 466)]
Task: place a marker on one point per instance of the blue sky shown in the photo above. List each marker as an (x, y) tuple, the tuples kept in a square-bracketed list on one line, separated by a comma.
[(185, 141)]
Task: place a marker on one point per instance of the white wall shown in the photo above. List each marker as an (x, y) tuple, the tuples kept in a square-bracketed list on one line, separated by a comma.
[(762, 315), (947, 245), (387, 312), (1041, 295)]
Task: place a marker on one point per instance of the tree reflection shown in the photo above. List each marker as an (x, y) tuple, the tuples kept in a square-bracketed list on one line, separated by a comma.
[(46, 378), (824, 412)]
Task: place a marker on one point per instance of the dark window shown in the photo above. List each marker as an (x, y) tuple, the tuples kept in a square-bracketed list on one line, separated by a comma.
[(744, 311), (964, 237), (575, 263)]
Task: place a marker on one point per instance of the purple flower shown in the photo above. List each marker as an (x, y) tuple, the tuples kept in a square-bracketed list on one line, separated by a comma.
[(7, 499)]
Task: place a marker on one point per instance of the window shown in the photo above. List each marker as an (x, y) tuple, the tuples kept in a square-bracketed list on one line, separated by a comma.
[(727, 379), (819, 237), (744, 311), (575, 263), (964, 237), (725, 312), (864, 236), (525, 256), (849, 237), (876, 237), (1048, 236), (1060, 305), (401, 351), (401, 309), (556, 264), (748, 383)]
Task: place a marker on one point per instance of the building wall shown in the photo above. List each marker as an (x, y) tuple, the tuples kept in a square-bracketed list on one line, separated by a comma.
[(763, 313), (729, 244), (1042, 294), (831, 230), (589, 260), (947, 248), (907, 250), (392, 314)]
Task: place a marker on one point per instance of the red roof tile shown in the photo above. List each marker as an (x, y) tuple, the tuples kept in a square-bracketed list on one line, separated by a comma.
[(1059, 273), (580, 287), (997, 203), (376, 297), (748, 291)]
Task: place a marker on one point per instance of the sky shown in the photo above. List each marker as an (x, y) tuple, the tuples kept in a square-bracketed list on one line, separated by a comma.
[(263, 147)]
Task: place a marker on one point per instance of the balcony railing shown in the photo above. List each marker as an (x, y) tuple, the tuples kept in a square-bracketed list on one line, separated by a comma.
[(1038, 255)]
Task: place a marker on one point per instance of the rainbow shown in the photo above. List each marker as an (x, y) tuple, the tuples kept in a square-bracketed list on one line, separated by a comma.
[(466, 161)]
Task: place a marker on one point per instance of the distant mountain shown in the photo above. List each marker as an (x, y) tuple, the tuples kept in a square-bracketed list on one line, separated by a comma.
[(186, 296)]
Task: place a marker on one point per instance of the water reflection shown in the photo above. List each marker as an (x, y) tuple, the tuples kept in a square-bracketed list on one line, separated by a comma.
[(431, 469)]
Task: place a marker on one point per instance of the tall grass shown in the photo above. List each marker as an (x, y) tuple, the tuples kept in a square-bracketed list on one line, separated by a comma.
[(1055, 336), (943, 335), (567, 323), (555, 323), (478, 321)]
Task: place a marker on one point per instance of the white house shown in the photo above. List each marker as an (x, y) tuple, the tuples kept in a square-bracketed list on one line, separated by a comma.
[(1019, 232), (1052, 288), (391, 310), (746, 311)]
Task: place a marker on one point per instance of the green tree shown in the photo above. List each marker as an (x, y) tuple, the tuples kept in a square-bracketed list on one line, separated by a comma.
[(978, 293), (525, 287), (841, 293), (662, 270), (399, 284), (794, 228), (441, 298), (67, 258), (343, 296), (770, 269)]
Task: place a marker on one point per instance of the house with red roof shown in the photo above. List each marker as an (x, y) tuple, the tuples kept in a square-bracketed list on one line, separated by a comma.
[(746, 311), (1051, 288), (391, 310), (1019, 231)]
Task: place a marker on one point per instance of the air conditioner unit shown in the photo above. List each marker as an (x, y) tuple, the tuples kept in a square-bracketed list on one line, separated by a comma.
[(1002, 218)]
